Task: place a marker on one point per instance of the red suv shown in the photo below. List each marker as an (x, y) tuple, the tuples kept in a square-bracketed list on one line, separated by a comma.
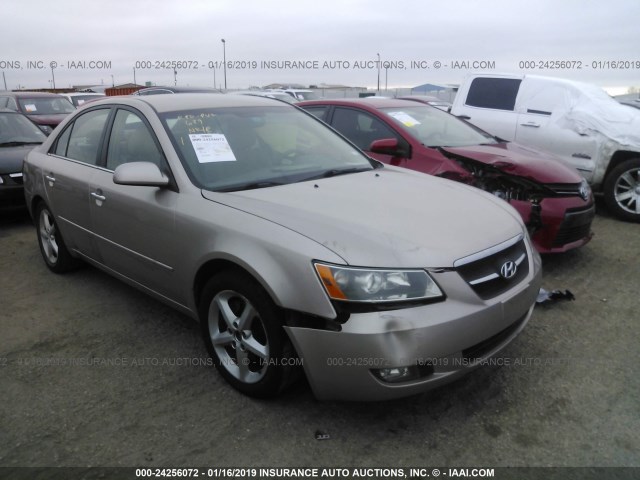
[(554, 201)]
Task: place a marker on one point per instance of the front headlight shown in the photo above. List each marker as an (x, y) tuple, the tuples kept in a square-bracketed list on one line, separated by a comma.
[(585, 190), (355, 284)]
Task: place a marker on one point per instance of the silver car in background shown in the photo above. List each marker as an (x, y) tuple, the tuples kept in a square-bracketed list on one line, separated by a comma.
[(286, 242)]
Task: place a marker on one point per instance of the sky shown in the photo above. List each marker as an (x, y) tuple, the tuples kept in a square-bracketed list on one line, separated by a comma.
[(331, 42)]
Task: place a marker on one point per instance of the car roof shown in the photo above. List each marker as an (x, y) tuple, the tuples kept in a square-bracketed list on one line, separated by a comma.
[(84, 94), (192, 101), (369, 102)]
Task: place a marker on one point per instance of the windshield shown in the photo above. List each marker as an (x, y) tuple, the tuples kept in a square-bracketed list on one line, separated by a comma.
[(14, 128), (435, 128), (45, 106), (240, 148)]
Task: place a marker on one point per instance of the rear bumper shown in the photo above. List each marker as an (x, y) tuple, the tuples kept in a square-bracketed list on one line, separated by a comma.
[(444, 341)]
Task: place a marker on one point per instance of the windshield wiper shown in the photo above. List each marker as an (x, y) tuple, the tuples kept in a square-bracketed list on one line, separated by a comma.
[(334, 172), (249, 186), (18, 144)]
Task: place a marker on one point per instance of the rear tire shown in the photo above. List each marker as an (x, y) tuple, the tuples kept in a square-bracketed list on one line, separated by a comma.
[(242, 330), (52, 247), (622, 190)]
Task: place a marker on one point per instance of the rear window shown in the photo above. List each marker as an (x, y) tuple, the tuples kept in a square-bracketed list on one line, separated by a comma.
[(496, 93)]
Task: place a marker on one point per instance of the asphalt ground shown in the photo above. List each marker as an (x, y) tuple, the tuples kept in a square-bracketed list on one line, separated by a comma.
[(95, 373)]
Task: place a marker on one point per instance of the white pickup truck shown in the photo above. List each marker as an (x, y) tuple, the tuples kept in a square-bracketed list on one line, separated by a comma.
[(577, 122)]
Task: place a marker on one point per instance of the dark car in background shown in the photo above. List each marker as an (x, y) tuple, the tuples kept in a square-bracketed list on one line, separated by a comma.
[(554, 201), (18, 135), (47, 110)]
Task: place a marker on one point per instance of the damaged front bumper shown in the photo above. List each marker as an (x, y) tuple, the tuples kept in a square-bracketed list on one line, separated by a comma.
[(391, 354), (561, 225)]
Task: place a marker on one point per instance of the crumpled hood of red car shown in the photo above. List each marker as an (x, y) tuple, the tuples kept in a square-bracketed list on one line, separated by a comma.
[(518, 160)]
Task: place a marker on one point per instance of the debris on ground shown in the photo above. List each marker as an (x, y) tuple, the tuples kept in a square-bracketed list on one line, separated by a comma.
[(545, 296)]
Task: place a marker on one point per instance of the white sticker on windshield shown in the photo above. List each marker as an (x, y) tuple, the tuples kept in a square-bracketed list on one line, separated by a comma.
[(211, 147), (404, 118), (30, 107)]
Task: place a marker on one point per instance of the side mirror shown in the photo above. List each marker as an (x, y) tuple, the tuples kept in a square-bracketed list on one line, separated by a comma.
[(387, 146), (144, 174)]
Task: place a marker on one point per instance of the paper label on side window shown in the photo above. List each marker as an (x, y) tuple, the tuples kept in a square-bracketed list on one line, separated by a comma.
[(211, 147), (404, 118), (30, 107)]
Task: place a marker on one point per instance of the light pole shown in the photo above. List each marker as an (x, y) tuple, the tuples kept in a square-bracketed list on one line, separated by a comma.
[(53, 77), (113, 82), (5, 80), (214, 77), (224, 59), (378, 72)]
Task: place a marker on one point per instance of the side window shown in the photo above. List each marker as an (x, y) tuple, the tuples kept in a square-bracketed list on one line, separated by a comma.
[(546, 100), (360, 127), (496, 93), (86, 133), (3, 102), (319, 112), (63, 142), (131, 141)]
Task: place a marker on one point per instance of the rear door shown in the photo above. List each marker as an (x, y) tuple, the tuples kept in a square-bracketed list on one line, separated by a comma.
[(70, 166), (490, 104), (541, 106)]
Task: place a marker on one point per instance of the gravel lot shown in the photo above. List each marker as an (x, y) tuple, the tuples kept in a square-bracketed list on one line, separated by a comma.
[(570, 395)]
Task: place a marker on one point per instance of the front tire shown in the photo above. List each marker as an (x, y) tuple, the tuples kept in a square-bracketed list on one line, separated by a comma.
[(242, 329), (52, 247), (622, 190)]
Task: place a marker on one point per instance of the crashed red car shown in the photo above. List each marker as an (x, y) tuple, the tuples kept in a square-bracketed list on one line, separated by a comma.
[(554, 201)]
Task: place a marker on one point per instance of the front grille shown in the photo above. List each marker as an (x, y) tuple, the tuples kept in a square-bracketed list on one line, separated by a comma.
[(575, 226), (484, 274), (565, 189)]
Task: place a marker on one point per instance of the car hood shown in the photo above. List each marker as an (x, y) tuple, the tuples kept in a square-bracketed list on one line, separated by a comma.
[(11, 158), (385, 218), (51, 120), (518, 160)]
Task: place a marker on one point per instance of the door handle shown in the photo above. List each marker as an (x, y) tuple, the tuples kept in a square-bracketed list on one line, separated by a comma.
[(97, 196), (531, 124), (51, 178)]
